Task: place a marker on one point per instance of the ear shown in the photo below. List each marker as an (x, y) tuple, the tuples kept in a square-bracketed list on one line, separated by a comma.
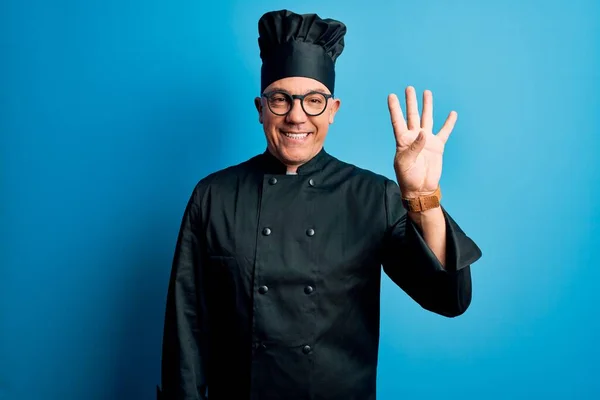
[(333, 109), (259, 108)]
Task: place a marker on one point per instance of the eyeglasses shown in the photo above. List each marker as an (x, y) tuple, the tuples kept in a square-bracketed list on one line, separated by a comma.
[(281, 103)]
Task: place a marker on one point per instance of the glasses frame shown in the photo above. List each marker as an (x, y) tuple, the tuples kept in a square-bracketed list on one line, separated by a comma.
[(294, 97)]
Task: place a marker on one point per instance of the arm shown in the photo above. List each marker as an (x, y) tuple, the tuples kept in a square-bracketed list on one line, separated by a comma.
[(184, 340), (432, 226), (411, 264)]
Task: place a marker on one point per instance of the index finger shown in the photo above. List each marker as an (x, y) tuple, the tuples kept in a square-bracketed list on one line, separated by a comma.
[(398, 121)]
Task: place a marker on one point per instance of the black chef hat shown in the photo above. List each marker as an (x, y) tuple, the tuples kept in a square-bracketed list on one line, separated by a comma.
[(299, 45)]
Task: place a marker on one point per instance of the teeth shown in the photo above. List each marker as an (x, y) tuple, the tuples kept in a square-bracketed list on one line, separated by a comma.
[(296, 135)]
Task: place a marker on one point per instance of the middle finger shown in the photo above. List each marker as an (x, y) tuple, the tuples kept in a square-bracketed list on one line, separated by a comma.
[(412, 109)]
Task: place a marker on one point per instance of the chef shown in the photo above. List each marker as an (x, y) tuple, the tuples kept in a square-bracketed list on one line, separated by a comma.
[(275, 285)]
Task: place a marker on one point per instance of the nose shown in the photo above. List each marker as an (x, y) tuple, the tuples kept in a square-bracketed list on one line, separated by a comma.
[(296, 114)]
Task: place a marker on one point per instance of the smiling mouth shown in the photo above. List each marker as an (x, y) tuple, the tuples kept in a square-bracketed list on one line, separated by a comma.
[(296, 135)]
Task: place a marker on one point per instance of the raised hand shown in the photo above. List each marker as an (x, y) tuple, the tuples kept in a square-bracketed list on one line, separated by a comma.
[(418, 159)]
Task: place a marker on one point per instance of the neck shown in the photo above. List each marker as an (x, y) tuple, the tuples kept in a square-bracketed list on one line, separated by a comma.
[(291, 169)]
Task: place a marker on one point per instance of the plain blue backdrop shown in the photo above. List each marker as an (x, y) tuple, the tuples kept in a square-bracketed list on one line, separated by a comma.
[(111, 111)]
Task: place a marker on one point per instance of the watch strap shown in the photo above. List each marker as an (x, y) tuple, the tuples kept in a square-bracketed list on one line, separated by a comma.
[(423, 203)]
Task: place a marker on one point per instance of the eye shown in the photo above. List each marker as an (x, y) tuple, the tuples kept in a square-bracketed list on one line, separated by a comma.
[(277, 98), (315, 98)]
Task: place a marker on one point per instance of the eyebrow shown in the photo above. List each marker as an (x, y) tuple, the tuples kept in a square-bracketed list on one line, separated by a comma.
[(278, 89)]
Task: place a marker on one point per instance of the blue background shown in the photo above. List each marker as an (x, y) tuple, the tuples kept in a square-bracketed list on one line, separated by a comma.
[(112, 111)]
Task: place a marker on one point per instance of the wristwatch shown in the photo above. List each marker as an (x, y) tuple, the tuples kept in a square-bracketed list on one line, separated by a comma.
[(422, 203)]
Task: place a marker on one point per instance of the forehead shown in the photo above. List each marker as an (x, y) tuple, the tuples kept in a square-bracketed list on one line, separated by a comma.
[(297, 85)]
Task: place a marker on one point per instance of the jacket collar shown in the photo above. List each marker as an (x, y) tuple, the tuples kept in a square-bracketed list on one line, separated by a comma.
[(272, 165)]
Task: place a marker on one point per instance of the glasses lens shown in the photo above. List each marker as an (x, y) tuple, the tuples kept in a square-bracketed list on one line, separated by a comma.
[(279, 103), (314, 103)]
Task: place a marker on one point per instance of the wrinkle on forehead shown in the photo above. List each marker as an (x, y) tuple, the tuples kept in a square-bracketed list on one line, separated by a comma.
[(280, 89), (297, 84)]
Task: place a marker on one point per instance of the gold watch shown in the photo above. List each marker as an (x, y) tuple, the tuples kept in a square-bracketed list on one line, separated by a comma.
[(422, 203)]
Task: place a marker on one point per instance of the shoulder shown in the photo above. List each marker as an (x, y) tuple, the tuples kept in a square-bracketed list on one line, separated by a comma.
[(225, 179), (356, 175), (374, 193)]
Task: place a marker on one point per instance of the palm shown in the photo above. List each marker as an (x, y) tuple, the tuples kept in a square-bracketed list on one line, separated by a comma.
[(418, 164)]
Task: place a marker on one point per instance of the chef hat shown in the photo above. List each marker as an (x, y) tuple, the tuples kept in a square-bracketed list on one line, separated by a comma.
[(299, 45)]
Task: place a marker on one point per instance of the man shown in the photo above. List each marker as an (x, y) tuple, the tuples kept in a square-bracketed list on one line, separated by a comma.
[(275, 284)]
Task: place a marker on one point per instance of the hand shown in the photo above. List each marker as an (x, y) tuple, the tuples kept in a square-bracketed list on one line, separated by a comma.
[(418, 159)]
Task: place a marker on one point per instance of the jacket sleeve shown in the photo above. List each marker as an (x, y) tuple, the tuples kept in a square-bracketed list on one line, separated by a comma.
[(410, 263), (183, 373)]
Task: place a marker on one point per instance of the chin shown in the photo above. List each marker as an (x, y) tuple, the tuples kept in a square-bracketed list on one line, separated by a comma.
[(296, 156), (293, 152)]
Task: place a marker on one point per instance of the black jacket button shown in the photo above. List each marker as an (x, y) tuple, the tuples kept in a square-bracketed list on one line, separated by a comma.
[(266, 231), (263, 289), (273, 180), (310, 232), (306, 349), (311, 182), (260, 346), (309, 289)]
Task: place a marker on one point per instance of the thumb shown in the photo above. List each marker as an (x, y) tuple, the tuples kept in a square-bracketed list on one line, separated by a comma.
[(416, 146), (409, 156)]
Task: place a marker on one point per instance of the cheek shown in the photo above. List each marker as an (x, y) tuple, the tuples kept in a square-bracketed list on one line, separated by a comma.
[(322, 124), (270, 125)]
